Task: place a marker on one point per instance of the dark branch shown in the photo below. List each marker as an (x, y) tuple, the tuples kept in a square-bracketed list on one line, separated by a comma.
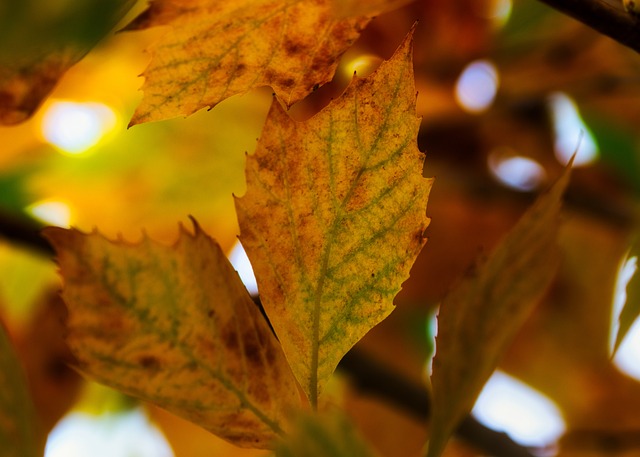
[(372, 378), (24, 232), (604, 16)]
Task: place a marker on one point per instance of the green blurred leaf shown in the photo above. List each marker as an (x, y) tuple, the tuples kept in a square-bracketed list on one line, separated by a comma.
[(154, 174), (98, 399), (618, 147), (40, 41), (525, 20), (329, 434), (24, 276), (28, 25)]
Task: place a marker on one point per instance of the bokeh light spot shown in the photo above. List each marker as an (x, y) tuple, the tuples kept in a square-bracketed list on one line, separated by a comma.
[(526, 415), (240, 261), (362, 65), (516, 172), (627, 357), (477, 86), (500, 11), (571, 133), (76, 127), (51, 212), (108, 435)]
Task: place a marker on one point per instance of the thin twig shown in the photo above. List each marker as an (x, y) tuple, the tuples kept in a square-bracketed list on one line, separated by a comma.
[(25, 233), (371, 377), (607, 17)]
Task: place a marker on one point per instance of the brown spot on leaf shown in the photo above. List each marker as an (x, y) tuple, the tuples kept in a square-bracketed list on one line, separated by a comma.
[(270, 354), (287, 82), (252, 349), (230, 339), (291, 47), (149, 362), (269, 75), (322, 61)]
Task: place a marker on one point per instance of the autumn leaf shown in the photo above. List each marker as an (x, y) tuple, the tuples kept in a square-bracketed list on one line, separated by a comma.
[(18, 436), (631, 308), (480, 317), (180, 319), (215, 49), (334, 216), (323, 435), (38, 45), (346, 8)]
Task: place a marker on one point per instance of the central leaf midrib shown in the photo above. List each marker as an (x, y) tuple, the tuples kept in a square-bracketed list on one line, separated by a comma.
[(339, 217)]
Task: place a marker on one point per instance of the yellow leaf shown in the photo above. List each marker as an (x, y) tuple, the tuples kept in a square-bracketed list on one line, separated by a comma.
[(176, 327), (215, 49), (18, 437), (480, 317), (334, 216)]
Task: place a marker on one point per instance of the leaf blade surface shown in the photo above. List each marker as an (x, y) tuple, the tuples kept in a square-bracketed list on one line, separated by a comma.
[(218, 49), (175, 326), (322, 435), (334, 216), (480, 317)]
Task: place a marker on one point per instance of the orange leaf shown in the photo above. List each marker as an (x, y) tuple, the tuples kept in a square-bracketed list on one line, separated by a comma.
[(334, 216), (216, 49), (176, 327)]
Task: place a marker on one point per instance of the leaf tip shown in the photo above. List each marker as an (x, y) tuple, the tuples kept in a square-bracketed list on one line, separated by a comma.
[(60, 237), (407, 44), (616, 345), (197, 229)]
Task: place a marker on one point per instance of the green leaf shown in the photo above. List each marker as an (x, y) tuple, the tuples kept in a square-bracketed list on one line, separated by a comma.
[(176, 327), (480, 317), (334, 216), (325, 435), (18, 437)]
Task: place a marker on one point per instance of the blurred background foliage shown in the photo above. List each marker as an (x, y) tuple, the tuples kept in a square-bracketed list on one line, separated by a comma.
[(508, 89)]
